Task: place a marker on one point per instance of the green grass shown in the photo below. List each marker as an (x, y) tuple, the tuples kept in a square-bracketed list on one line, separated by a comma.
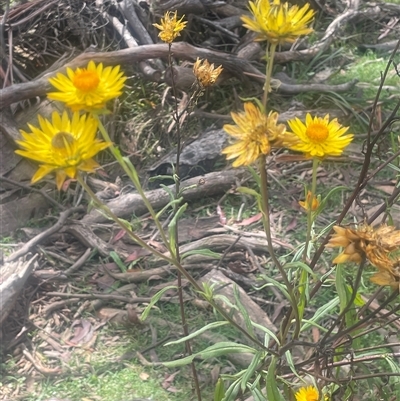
[(92, 374)]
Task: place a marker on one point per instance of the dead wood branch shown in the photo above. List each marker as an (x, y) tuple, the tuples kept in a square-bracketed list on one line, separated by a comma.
[(194, 188), (224, 286), (330, 35), (13, 277), (36, 240), (231, 63)]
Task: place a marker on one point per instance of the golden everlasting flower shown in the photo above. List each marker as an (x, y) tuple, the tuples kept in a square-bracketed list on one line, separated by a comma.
[(354, 242), (388, 238), (278, 23), (310, 203), (385, 277), (319, 137), (309, 393), (381, 246), (256, 134), (62, 145), (170, 26), (88, 88), (206, 73)]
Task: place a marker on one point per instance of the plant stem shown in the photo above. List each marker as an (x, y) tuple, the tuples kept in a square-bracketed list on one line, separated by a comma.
[(270, 55), (133, 177), (176, 229), (309, 207), (267, 227)]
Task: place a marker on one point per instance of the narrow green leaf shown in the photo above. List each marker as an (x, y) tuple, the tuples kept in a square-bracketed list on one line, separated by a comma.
[(155, 298), (219, 392), (291, 363), (248, 191), (273, 393), (257, 358), (215, 350), (117, 260), (209, 326), (300, 265), (320, 313), (232, 391), (169, 205), (276, 284), (257, 395), (203, 252), (243, 310), (172, 227), (267, 331)]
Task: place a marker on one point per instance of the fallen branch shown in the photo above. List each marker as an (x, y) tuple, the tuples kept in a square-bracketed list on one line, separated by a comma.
[(40, 237)]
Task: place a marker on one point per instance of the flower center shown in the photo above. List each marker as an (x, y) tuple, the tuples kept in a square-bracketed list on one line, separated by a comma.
[(63, 144), (317, 132), (86, 81)]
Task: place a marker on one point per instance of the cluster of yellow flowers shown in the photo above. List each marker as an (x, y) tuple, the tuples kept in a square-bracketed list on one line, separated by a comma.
[(66, 144), (379, 245)]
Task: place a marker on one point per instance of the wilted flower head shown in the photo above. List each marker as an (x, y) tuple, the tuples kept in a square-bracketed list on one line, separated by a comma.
[(309, 393), (381, 246), (88, 88), (319, 137), (170, 26), (278, 23), (354, 242), (255, 132), (206, 73), (62, 145), (386, 277)]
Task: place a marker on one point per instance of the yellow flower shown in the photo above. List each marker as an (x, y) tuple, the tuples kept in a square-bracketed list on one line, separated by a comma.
[(205, 72), (62, 145), (88, 88), (319, 137), (309, 203), (278, 23), (255, 132), (170, 27), (309, 393)]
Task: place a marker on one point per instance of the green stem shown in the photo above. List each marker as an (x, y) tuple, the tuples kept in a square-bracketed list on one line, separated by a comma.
[(134, 180), (176, 229), (303, 281), (267, 227), (270, 63), (309, 206)]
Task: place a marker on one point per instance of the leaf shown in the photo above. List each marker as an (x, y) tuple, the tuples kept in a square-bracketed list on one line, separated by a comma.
[(172, 226), (257, 358), (232, 391), (155, 298), (169, 205), (203, 252), (219, 392), (273, 393), (209, 326), (250, 220), (267, 331), (215, 350), (320, 313), (115, 257), (243, 311), (249, 191), (291, 363)]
